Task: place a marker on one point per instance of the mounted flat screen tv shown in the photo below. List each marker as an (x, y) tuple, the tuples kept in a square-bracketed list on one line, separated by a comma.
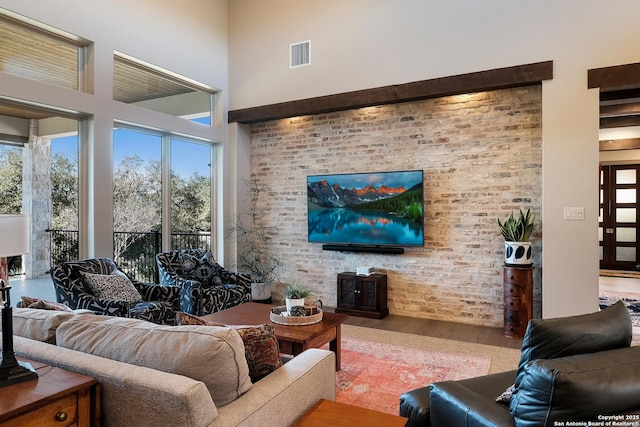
[(366, 209)]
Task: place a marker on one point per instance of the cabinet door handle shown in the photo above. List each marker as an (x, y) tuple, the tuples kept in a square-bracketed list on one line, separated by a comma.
[(61, 416)]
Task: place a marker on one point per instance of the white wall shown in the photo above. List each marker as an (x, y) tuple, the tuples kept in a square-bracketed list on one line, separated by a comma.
[(359, 44), (188, 38)]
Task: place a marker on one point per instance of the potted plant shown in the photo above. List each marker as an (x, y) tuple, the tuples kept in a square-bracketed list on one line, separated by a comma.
[(294, 295), (253, 234), (516, 231)]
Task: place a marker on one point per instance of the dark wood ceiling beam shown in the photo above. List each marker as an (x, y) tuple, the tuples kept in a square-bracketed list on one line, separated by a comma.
[(619, 110), (620, 144), (619, 122), (619, 96), (500, 78)]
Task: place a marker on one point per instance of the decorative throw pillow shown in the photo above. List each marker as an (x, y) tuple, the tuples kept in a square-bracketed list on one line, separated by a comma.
[(506, 395), (203, 270), (112, 286), (29, 302), (260, 344)]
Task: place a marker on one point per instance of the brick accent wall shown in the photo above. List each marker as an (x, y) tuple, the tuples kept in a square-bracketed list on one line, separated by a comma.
[(481, 156)]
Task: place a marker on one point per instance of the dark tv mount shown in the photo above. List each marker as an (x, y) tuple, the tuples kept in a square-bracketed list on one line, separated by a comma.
[(363, 248)]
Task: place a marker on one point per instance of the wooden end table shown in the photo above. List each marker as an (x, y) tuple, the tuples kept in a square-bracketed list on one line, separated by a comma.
[(292, 339), (57, 397), (330, 413)]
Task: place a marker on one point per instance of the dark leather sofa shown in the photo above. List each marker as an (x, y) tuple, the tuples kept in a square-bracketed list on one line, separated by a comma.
[(572, 370)]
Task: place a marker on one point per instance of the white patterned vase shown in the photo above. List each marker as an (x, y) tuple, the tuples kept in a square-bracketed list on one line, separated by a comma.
[(517, 254)]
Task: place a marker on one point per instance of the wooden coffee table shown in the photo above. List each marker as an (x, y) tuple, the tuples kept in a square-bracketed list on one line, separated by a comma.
[(292, 339), (330, 413)]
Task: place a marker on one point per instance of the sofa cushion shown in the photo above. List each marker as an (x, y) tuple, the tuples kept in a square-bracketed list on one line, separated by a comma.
[(262, 350), (39, 325), (212, 355), (201, 269), (111, 286), (579, 388)]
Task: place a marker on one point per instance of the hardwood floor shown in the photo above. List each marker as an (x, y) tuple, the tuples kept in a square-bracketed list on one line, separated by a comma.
[(620, 284), (438, 329)]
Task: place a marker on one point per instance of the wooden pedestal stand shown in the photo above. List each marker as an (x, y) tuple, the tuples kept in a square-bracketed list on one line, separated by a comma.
[(518, 300)]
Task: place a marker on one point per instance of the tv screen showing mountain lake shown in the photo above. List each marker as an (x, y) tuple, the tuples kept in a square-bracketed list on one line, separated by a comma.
[(383, 208)]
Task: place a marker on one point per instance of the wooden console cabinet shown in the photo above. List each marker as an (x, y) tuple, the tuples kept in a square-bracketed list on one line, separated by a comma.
[(518, 300), (364, 296)]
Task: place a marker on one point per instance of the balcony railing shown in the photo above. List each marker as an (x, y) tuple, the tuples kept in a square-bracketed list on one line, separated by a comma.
[(135, 252)]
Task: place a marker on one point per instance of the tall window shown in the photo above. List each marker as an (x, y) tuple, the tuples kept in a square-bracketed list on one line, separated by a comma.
[(138, 184), (11, 191), (64, 232), (10, 179), (64, 180), (137, 200), (190, 194)]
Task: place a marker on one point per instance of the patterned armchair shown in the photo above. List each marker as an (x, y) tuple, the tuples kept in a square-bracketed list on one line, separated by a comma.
[(77, 284), (206, 287)]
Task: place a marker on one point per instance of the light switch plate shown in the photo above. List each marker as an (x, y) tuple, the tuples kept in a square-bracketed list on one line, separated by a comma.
[(574, 214)]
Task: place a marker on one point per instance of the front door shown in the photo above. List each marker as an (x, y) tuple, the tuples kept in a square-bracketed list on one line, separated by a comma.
[(618, 218)]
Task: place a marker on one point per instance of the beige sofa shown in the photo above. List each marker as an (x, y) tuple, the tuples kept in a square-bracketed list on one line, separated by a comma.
[(144, 396)]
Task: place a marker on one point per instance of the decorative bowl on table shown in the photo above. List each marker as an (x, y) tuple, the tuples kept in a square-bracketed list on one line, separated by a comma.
[(298, 316)]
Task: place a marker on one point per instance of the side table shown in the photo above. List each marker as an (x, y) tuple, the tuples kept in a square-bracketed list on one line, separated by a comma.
[(330, 413), (56, 398)]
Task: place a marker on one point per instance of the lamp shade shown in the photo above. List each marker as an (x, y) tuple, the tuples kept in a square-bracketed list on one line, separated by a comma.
[(14, 235)]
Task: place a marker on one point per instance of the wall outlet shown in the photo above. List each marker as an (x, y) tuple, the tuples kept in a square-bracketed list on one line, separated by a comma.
[(574, 214)]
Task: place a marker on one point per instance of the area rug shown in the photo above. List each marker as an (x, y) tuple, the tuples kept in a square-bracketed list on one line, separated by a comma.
[(377, 367), (632, 304)]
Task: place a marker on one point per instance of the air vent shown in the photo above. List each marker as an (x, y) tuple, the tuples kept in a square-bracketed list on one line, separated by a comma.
[(300, 54)]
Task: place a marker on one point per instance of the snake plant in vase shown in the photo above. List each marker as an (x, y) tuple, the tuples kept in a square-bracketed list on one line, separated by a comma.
[(516, 230), (294, 296)]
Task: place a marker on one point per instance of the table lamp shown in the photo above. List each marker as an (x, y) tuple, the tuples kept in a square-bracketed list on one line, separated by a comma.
[(14, 240)]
